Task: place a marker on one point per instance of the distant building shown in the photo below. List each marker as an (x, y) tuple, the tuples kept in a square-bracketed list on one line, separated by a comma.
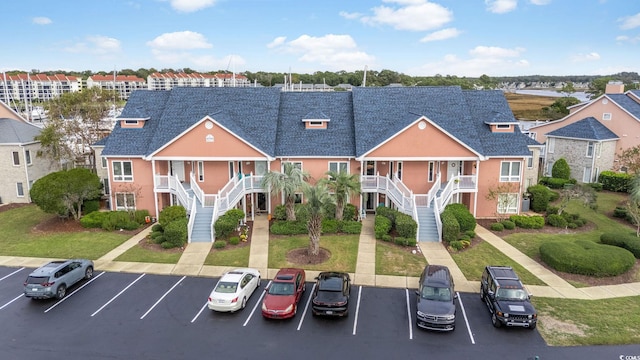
[(122, 84), (25, 87), (168, 81)]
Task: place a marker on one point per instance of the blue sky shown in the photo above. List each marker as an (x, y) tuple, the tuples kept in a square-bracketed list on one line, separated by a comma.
[(414, 37)]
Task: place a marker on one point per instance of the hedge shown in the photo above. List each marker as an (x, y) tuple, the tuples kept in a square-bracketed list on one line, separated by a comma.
[(497, 226), (540, 197), (508, 224), (450, 227), (626, 241), (613, 181), (329, 226), (171, 213), (350, 226), (389, 213), (528, 222), (350, 213), (382, 226), (176, 233), (119, 220), (283, 227), (406, 226), (463, 215), (556, 220), (586, 258), (90, 206), (94, 219), (280, 213)]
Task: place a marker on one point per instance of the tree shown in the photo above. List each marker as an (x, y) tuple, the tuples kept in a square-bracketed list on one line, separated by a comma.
[(567, 89), (318, 198), (584, 192), (287, 184), (75, 124), (630, 158), (501, 194), (343, 185), (64, 192), (561, 169), (633, 205)]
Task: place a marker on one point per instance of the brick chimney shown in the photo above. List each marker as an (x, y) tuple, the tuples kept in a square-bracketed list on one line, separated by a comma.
[(614, 87)]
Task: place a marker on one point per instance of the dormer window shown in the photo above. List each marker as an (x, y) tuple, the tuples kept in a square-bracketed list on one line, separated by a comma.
[(315, 123), (503, 126), (132, 123), (315, 120)]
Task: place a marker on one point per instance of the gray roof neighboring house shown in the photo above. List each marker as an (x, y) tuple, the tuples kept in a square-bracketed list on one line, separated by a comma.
[(359, 120), (586, 129), (13, 131)]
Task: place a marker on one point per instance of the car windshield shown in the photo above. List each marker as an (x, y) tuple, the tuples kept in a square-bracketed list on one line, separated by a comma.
[(281, 288), (512, 294), (226, 287), (330, 284), (37, 280), (436, 293)]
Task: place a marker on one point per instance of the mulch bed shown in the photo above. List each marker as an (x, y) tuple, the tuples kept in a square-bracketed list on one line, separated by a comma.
[(302, 257)]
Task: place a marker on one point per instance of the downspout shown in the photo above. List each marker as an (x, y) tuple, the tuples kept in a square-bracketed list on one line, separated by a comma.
[(475, 197), (26, 173), (593, 161), (155, 187)]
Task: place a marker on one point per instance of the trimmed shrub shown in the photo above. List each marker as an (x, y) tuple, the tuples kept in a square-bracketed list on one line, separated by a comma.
[(90, 206), (498, 226), (553, 195), (557, 221), (94, 219), (596, 186), (463, 215), (235, 214), (456, 245), (387, 238), (561, 169), (412, 242), (553, 210), (140, 216), (613, 181), (156, 227), (528, 222), (171, 213), (157, 237), (350, 213), (119, 220), (626, 241), (620, 212), (329, 226), (280, 212), (557, 183), (176, 232), (159, 240), (406, 226), (156, 234), (225, 226), (283, 227), (389, 213), (350, 227), (401, 241), (382, 226), (234, 240), (586, 258), (508, 224), (539, 197), (166, 245), (470, 233), (450, 227), (219, 244)]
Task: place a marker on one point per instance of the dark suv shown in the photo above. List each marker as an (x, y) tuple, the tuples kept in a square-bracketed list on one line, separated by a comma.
[(506, 298), (436, 309)]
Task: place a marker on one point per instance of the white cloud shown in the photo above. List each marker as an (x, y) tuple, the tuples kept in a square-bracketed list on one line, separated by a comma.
[(191, 5), (441, 35), (501, 6), (96, 45), (277, 42), (540, 2), (337, 52), (592, 56), (629, 39), (183, 40), (412, 15), (483, 60), (350, 16), (630, 22), (41, 20)]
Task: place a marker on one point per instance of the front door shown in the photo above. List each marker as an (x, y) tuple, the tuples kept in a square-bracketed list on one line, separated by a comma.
[(454, 168), (177, 168)]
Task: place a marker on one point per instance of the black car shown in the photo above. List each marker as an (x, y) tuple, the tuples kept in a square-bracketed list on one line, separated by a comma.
[(331, 294), (508, 301), (436, 309)]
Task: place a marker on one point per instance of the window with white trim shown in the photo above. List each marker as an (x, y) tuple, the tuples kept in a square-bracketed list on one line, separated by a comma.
[(606, 116), (339, 166), (106, 189), (551, 144), (530, 161), (586, 175), (432, 167), (510, 171), (122, 171), (16, 158), (232, 171), (125, 201), (503, 126), (297, 164), (104, 162), (549, 169), (20, 189), (508, 203), (27, 157), (201, 171), (590, 149), (599, 149)]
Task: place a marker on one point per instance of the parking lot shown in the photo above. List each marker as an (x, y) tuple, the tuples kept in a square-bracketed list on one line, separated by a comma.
[(136, 316)]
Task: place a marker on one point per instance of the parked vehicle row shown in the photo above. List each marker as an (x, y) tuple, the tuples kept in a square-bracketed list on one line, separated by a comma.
[(54, 278)]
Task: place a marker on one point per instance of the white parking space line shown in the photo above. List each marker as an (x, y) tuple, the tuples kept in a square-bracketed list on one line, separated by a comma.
[(199, 312), (13, 273), (120, 293), (355, 320), (464, 313), (409, 316), (75, 291), (259, 303), (306, 306), (162, 297), (14, 299)]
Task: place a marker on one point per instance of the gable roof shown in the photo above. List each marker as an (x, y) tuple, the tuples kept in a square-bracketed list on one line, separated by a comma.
[(360, 120), (586, 129), (13, 131), (627, 103)]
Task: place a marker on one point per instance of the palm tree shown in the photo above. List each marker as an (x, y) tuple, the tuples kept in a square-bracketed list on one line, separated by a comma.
[(286, 183), (318, 198), (343, 185)]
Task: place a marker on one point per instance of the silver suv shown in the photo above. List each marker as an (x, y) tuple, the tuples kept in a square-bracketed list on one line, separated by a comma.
[(53, 279)]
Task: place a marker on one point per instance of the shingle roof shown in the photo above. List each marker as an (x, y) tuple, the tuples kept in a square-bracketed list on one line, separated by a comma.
[(626, 103), (13, 131), (587, 129), (360, 119)]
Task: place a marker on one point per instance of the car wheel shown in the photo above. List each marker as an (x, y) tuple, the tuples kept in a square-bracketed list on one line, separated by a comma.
[(88, 274), (244, 303), (61, 291), (259, 280), (495, 321), (532, 326), (481, 293)]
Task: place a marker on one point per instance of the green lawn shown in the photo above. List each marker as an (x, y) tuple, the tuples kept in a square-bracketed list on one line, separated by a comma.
[(229, 256), (17, 238), (343, 249), (567, 322), (398, 261), (472, 262), (140, 254)]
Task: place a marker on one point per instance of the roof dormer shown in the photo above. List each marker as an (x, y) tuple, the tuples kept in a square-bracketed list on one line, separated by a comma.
[(315, 120), (128, 123), (502, 127)]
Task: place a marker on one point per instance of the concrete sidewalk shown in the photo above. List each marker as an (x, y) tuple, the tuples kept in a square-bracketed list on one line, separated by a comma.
[(191, 263)]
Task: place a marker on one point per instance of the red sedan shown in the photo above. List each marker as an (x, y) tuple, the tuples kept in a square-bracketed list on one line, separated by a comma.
[(284, 293)]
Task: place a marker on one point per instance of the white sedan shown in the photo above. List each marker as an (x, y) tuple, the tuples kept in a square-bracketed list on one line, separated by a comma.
[(233, 289)]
